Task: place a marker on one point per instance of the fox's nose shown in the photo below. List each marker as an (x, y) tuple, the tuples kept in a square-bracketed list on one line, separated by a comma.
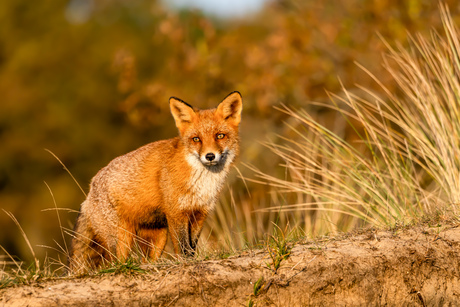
[(210, 156)]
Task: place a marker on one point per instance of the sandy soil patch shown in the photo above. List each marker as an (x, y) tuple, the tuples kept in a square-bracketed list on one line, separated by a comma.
[(411, 266)]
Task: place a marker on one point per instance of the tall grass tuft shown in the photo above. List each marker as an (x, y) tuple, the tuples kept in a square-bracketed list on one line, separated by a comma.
[(407, 163)]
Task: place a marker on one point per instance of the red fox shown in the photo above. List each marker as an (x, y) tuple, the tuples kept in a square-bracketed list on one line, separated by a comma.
[(167, 186)]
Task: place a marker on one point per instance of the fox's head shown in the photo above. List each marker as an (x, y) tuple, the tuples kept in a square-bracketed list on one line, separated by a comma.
[(210, 136)]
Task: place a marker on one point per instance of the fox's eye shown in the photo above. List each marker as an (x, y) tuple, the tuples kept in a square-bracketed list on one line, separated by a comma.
[(220, 136), (196, 139)]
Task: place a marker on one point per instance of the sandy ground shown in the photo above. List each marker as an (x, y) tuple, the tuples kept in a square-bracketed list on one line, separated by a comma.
[(404, 267)]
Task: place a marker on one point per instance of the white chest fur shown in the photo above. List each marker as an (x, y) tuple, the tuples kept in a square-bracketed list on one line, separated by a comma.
[(203, 187)]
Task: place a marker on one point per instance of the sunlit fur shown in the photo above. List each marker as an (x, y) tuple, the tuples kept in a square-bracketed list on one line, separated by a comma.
[(165, 186)]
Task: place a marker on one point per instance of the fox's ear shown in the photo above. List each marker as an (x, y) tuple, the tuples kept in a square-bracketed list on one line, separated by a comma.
[(183, 112), (230, 108)]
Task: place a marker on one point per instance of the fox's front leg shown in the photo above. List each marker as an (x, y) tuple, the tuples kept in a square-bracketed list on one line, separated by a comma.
[(186, 231), (180, 234), (196, 222)]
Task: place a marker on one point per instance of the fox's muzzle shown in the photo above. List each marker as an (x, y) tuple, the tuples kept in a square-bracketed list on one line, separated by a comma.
[(211, 159)]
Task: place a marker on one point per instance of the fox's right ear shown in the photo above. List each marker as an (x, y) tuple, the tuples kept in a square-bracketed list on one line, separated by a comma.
[(183, 112)]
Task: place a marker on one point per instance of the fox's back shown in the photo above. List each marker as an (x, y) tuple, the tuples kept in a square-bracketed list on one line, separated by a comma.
[(126, 173), (129, 186)]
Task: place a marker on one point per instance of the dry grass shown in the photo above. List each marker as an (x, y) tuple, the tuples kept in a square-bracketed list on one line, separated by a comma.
[(407, 164)]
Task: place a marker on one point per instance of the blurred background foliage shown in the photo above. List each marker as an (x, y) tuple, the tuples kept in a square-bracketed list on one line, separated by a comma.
[(92, 85)]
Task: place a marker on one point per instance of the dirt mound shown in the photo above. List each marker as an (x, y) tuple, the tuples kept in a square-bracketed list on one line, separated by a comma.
[(416, 266)]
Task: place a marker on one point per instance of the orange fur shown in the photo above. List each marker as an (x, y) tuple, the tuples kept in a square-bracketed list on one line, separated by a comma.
[(164, 187)]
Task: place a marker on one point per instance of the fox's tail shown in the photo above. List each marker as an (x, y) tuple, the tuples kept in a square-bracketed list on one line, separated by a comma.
[(85, 251)]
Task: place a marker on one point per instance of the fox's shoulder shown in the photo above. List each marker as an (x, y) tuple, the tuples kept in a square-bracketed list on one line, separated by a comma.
[(162, 148)]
